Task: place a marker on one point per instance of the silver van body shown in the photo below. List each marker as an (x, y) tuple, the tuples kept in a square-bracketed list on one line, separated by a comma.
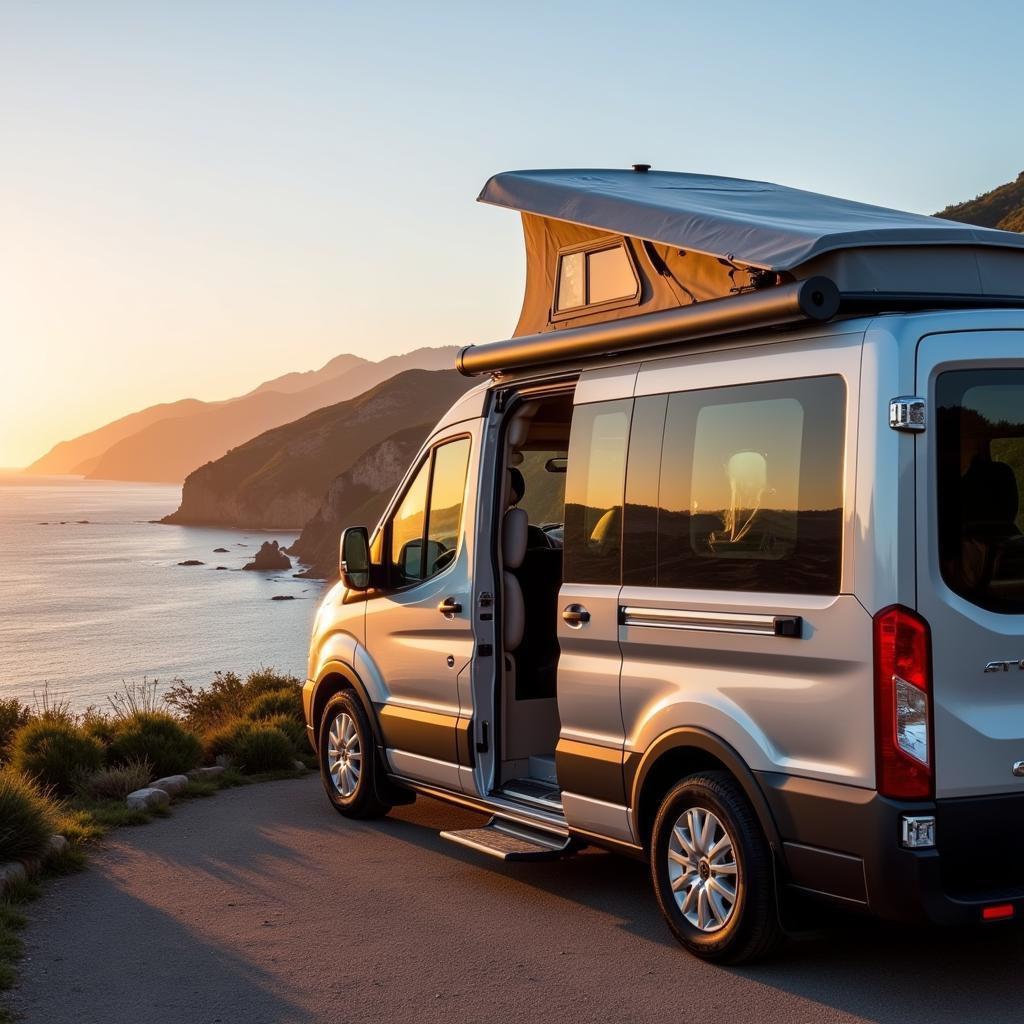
[(765, 508)]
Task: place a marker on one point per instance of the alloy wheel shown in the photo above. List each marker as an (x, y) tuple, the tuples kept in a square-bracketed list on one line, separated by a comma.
[(344, 758), (702, 869)]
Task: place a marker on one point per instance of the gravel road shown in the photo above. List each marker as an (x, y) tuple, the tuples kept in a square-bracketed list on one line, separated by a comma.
[(262, 905)]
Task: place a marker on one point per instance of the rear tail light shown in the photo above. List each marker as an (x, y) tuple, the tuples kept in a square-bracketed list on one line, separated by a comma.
[(997, 912), (903, 698)]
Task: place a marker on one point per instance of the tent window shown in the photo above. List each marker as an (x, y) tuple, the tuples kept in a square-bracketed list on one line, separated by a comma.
[(598, 276), (571, 282), (609, 275)]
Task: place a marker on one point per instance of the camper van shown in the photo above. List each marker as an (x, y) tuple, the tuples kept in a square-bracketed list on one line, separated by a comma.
[(720, 565)]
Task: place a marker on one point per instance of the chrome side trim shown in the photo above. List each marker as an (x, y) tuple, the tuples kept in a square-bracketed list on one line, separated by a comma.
[(714, 622)]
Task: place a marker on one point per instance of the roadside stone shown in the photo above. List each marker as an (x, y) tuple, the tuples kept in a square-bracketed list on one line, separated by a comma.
[(146, 799), (172, 785), (299, 766), (55, 846), (11, 872), (206, 773)]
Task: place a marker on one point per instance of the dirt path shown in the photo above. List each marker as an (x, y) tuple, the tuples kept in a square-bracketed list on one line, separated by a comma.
[(261, 905)]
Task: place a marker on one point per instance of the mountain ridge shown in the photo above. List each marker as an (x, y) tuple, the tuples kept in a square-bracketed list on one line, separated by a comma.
[(163, 443)]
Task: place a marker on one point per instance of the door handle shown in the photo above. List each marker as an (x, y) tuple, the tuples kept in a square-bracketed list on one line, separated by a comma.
[(449, 608), (575, 615)]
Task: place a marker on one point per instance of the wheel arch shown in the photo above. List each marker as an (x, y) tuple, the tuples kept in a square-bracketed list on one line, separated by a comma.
[(335, 677), (681, 752)]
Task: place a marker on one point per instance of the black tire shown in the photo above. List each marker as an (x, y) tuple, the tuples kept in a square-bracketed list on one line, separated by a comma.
[(353, 794), (711, 927)]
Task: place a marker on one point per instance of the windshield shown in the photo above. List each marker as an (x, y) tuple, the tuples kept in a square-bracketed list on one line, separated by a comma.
[(980, 481)]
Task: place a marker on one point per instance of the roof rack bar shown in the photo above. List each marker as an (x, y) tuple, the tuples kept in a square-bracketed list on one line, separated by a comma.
[(909, 302), (816, 298)]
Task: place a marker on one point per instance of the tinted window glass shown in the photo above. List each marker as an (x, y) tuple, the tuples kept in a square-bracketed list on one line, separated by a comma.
[(447, 488), (750, 493), (407, 530), (640, 537), (980, 445), (609, 276), (593, 492)]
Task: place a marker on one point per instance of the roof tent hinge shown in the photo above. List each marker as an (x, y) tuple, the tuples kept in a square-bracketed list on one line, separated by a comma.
[(907, 414)]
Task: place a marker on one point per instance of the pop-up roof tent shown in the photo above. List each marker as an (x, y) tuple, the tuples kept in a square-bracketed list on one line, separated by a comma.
[(607, 246)]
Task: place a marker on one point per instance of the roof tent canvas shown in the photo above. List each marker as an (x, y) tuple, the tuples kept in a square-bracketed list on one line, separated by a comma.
[(696, 237)]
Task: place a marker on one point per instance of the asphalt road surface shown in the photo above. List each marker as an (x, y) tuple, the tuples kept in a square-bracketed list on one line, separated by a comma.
[(262, 905)]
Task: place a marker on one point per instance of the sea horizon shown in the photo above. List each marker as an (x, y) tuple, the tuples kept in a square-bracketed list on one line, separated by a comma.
[(95, 596)]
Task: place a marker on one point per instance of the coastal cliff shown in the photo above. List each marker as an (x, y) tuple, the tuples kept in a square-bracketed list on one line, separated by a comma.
[(279, 478), (357, 497)]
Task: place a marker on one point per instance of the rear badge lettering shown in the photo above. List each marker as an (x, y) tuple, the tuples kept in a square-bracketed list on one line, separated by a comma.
[(1005, 666)]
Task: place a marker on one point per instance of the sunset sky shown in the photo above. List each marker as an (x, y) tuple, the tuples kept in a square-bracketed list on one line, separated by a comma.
[(195, 197)]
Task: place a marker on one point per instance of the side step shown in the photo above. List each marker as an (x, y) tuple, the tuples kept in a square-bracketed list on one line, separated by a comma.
[(509, 841)]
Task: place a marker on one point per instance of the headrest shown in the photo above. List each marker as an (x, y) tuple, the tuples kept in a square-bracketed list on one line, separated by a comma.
[(514, 529), (517, 432)]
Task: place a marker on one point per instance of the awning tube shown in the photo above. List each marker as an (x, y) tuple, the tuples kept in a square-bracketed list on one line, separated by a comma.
[(817, 298)]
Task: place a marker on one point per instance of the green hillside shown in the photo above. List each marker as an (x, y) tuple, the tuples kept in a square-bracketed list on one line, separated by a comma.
[(1002, 207)]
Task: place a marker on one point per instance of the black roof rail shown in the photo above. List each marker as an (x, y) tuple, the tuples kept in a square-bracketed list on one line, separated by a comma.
[(815, 299)]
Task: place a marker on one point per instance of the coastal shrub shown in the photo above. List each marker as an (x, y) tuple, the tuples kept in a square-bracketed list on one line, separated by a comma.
[(28, 817), (227, 697), (222, 739), (13, 715), (263, 748), (206, 708), (55, 753), (98, 725), (277, 702), (49, 704), (295, 731), (135, 698), (116, 782), (156, 737)]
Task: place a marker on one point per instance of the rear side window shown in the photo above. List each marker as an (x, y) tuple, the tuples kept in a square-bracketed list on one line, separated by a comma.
[(980, 477), (749, 489), (593, 492)]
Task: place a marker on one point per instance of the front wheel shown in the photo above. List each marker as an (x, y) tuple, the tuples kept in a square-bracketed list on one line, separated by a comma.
[(712, 871), (348, 759)]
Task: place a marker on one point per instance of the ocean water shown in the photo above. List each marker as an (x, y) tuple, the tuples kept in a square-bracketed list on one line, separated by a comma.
[(87, 605)]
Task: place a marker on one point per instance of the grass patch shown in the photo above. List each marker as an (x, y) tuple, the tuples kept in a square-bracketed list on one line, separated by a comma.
[(69, 774)]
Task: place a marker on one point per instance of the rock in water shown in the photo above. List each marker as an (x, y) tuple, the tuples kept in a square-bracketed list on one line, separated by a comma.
[(220, 551), (269, 558), (191, 561), (283, 597)]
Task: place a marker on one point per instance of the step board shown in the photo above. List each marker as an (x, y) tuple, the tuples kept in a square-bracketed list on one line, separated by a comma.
[(535, 792), (508, 841)]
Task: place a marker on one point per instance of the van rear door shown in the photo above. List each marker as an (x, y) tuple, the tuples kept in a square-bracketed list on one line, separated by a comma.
[(970, 555)]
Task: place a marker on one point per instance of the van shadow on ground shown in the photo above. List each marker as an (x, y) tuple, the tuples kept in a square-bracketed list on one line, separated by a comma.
[(865, 968)]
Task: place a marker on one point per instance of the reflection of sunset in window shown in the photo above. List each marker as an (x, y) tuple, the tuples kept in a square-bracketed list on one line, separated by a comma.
[(608, 457)]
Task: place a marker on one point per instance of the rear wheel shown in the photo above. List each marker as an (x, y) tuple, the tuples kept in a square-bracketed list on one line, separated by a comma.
[(348, 759), (712, 871)]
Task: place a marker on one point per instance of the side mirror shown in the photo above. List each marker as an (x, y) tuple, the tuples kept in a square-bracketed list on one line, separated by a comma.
[(355, 558)]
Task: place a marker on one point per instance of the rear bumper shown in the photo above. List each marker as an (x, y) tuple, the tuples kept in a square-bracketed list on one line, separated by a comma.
[(844, 843)]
